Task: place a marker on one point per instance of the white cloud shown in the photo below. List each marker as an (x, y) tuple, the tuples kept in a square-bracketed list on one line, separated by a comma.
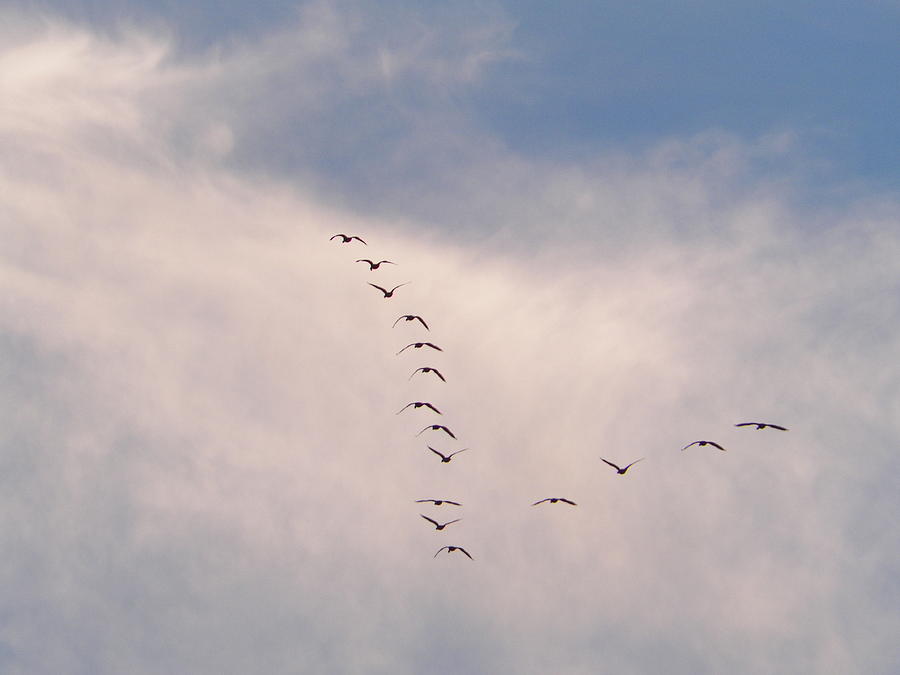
[(203, 470)]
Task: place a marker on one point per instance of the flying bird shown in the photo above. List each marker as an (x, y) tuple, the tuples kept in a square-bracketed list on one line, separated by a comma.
[(419, 345), (702, 443), (412, 317), (428, 369), (760, 425), (446, 458), (389, 293), (436, 427), (437, 525), (620, 470), (437, 502), (347, 239), (418, 404), (375, 265), (450, 549), (553, 500)]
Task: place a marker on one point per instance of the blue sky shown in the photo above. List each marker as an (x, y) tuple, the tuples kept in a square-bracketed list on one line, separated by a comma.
[(604, 76), (629, 228)]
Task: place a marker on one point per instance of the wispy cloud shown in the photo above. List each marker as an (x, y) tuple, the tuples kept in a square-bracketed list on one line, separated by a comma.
[(202, 469)]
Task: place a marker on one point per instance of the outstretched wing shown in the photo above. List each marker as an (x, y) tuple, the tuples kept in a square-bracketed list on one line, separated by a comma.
[(460, 548), (458, 451), (439, 550), (447, 501), (433, 522), (611, 464), (433, 346), (632, 464), (428, 405), (541, 501), (689, 445), (716, 445), (449, 433), (422, 321), (775, 426), (568, 501), (383, 290), (359, 238), (403, 408), (343, 236), (450, 522), (747, 424), (436, 452), (438, 373), (405, 348)]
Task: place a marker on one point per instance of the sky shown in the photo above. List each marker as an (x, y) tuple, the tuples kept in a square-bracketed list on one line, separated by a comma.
[(628, 227)]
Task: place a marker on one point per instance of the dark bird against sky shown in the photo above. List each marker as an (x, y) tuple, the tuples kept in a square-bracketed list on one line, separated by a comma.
[(418, 404), (702, 443), (553, 500), (446, 458), (375, 265), (389, 293), (412, 317), (345, 239), (450, 549), (437, 427), (428, 369), (437, 502), (760, 425), (437, 525), (619, 470), (419, 345)]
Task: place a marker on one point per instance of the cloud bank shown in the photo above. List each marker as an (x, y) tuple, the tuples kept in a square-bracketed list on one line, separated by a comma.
[(202, 469)]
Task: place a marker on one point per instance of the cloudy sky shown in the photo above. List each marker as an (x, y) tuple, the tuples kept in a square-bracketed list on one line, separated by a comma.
[(628, 226)]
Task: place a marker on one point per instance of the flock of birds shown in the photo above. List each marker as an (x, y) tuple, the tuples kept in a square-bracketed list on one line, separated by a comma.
[(445, 458)]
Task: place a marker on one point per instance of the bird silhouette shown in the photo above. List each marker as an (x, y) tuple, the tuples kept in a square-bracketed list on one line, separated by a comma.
[(437, 502), (389, 293), (412, 317), (347, 239), (702, 443), (446, 458), (418, 404), (450, 549), (436, 427), (553, 500), (419, 345), (428, 369), (619, 470), (375, 265), (437, 525), (760, 425)]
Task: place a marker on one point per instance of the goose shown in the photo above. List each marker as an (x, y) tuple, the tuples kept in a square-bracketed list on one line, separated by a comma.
[(411, 317), (389, 293), (437, 502), (428, 369), (619, 470), (702, 443), (760, 425), (419, 345), (437, 427), (347, 239), (375, 265), (553, 500), (437, 525), (450, 549), (418, 404), (445, 458)]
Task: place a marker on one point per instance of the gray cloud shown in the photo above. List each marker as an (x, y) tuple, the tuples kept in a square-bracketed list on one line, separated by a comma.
[(202, 468)]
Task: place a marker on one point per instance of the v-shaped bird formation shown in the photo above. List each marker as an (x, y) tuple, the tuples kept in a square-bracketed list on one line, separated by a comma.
[(446, 456)]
